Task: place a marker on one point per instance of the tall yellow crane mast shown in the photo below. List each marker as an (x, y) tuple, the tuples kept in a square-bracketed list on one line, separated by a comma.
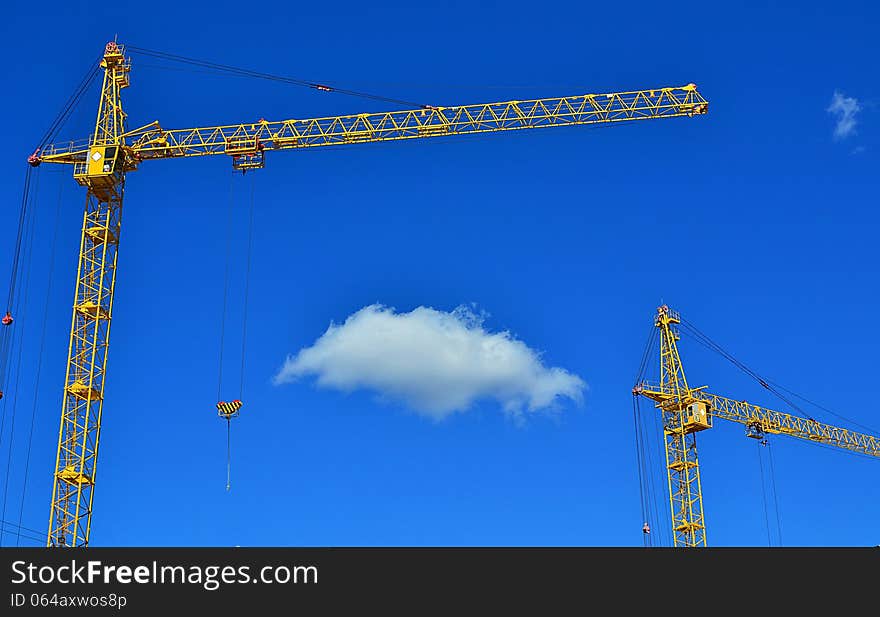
[(687, 411), (101, 162)]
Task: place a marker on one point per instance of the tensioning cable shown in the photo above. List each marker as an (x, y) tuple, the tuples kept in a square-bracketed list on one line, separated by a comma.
[(322, 87)]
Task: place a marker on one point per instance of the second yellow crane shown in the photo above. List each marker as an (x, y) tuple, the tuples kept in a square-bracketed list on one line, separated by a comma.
[(686, 411)]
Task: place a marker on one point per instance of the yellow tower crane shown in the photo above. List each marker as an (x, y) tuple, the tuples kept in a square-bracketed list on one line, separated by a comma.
[(101, 163), (687, 411)]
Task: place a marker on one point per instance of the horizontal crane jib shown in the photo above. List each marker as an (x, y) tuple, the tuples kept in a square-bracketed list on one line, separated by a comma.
[(775, 422), (766, 420), (153, 142)]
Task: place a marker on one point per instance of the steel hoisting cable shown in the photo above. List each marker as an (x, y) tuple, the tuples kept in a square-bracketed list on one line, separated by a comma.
[(247, 285), (29, 537), (663, 478), (223, 320), (768, 384), (268, 76), (11, 333), (825, 409), (650, 475), (649, 347), (50, 133), (25, 528), (707, 342), (30, 225), (243, 336), (40, 354), (228, 452), (648, 453), (639, 444), (8, 335), (7, 331), (645, 485), (21, 218), (225, 290), (775, 495), (72, 102), (655, 459), (764, 493), (28, 533), (10, 529), (642, 489), (244, 319)]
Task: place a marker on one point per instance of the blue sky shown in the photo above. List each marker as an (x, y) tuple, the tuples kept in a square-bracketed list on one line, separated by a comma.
[(754, 221)]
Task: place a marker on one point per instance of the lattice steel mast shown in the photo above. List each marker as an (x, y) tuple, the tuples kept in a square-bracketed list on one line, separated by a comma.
[(78, 437)]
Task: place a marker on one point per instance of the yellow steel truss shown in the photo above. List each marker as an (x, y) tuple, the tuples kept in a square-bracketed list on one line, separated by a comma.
[(101, 162), (151, 141), (78, 436), (679, 436), (687, 411)]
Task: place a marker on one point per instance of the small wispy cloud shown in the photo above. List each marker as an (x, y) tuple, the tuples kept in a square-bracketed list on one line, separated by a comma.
[(436, 362), (844, 109)]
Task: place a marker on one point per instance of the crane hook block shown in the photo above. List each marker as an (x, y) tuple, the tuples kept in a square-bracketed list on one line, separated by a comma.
[(228, 410), (7, 319)]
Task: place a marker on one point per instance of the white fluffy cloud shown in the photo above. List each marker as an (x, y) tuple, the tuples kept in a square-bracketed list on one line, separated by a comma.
[(435, 362), (844, 109)]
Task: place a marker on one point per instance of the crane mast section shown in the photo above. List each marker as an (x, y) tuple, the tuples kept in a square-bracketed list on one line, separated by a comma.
[(153, 142), (682, 462), (83, 400)]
